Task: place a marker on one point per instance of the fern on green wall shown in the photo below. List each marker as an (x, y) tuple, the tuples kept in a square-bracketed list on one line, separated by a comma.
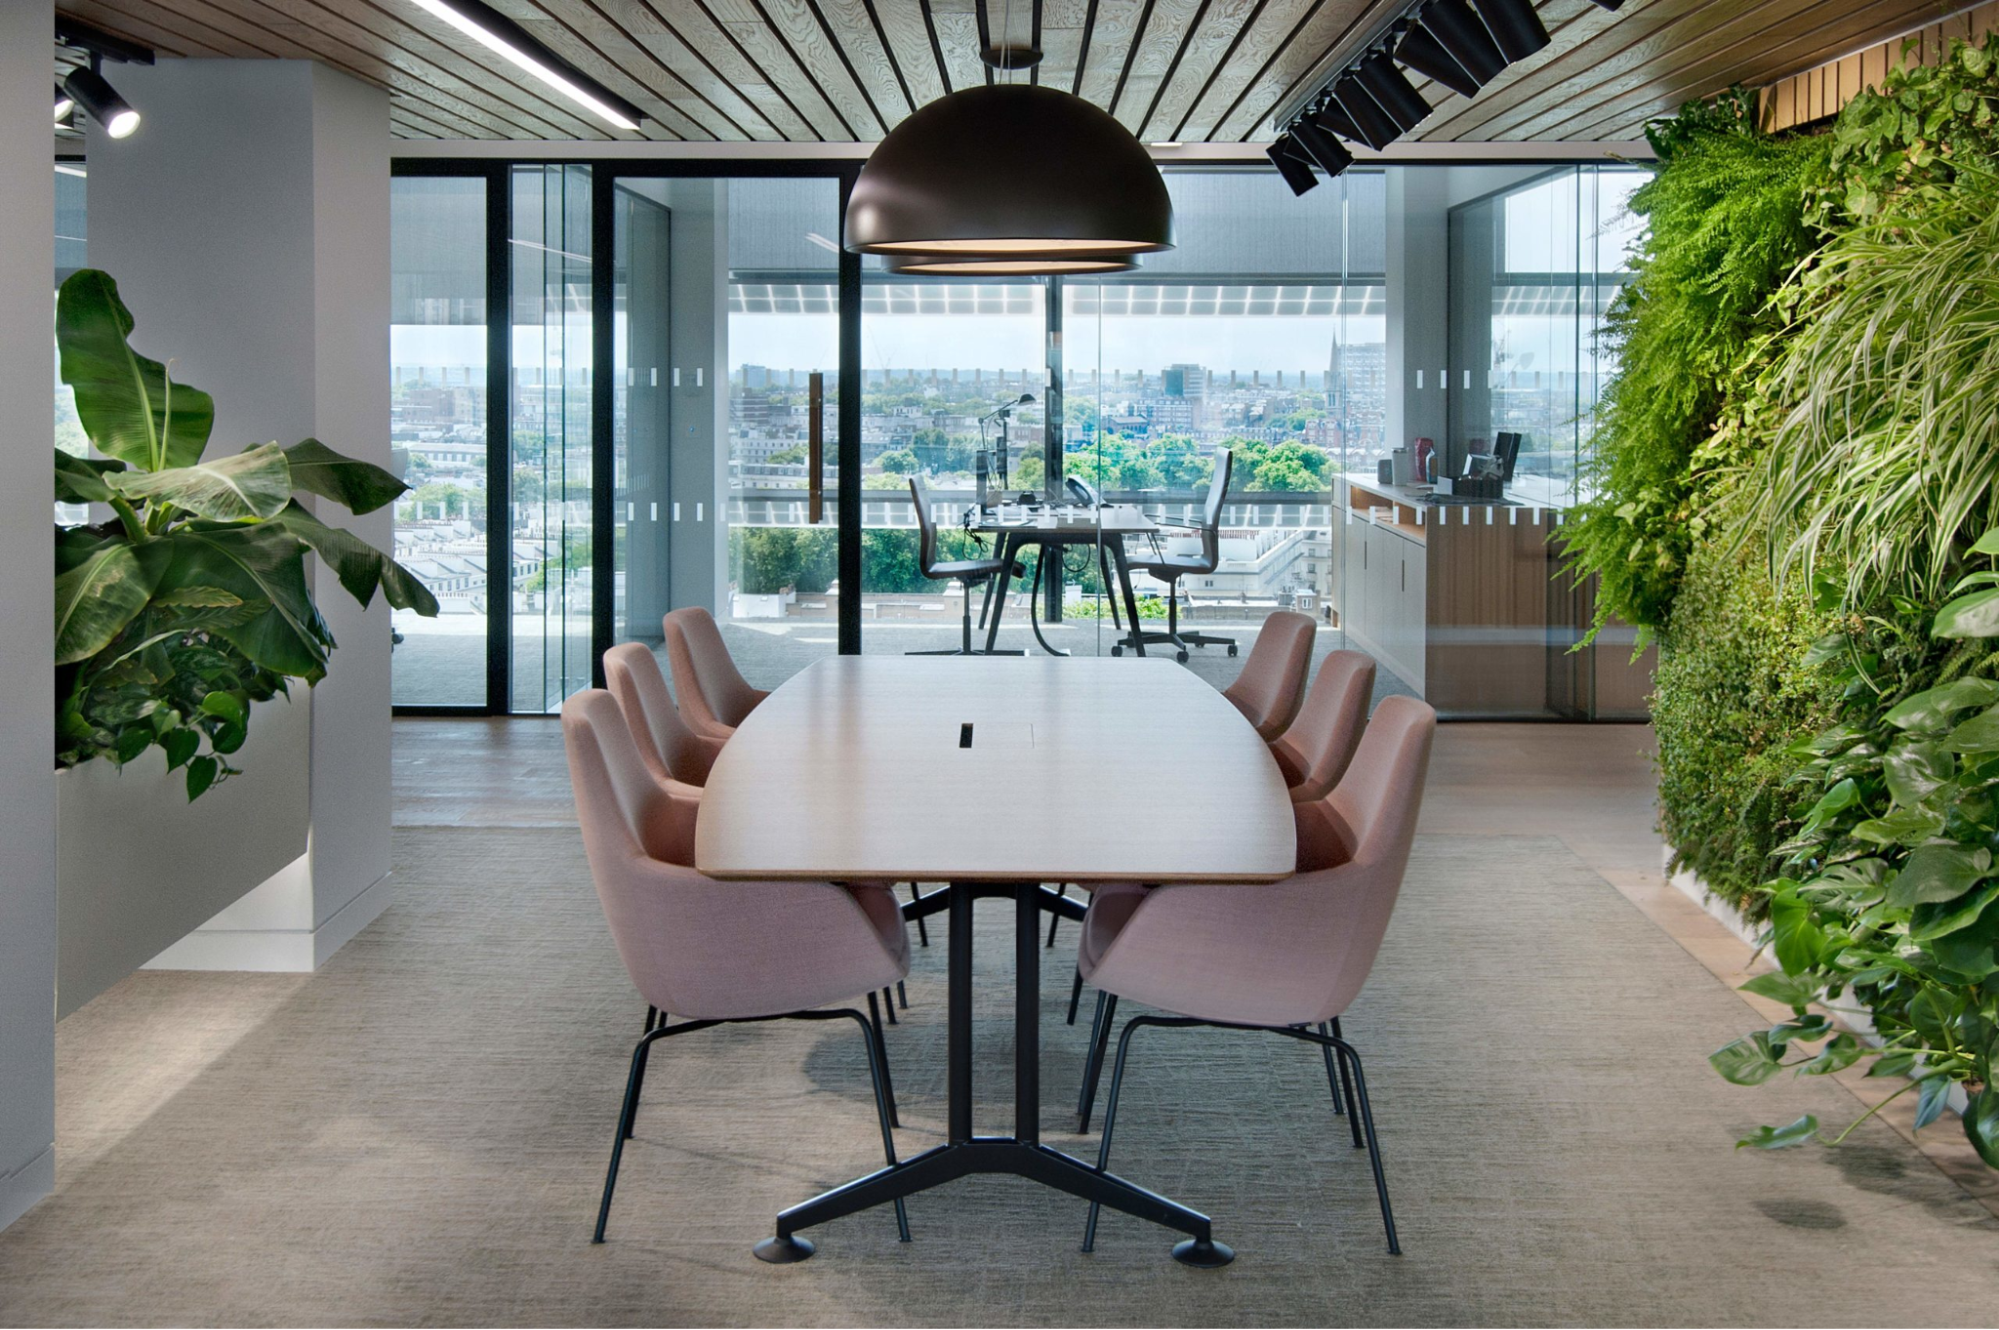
[(1726, 218)]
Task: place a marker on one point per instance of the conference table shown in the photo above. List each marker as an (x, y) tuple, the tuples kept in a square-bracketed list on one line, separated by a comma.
[(883, 767), (1060, 526)]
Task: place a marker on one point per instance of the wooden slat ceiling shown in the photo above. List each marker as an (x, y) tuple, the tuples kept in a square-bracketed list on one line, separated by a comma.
[(848, 70)]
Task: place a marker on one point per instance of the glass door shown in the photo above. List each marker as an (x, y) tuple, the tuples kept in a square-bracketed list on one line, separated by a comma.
[(724, 413), (550, 435)]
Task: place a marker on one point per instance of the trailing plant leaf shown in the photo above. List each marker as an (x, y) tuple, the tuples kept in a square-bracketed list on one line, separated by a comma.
[(128, 406), (1778, 1138)]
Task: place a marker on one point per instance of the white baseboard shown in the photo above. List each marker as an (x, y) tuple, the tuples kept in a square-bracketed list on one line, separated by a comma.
[(27, 1184), (280, 950)]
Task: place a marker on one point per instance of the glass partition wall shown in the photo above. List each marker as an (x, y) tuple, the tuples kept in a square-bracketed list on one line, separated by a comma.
[(691, 377)]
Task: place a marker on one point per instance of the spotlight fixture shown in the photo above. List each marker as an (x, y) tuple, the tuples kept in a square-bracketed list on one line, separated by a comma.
[(101, 100), (1331, 118), (1612, 5), (1321, 147), (1392, 90), (1377, 128), (1290, 164), (500, 34), (1427, 56), (64, 104), (1460, 33), (1514, 25)]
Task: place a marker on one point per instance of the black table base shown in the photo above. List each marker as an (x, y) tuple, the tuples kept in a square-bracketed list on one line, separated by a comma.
[(1021, 1154)]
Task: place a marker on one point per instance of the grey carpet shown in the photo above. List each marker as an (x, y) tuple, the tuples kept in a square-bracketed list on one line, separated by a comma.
[(416, 1134)]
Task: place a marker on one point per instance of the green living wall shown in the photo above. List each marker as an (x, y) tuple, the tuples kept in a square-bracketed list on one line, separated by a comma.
[(1794, 494)]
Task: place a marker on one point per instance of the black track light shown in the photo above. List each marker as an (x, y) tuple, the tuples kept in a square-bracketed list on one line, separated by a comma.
[(1334, 120), (1296, 171), (1392, 90), (1331, 155), (1612, 5), (99, 98), (64, 104), (1427, 56), (1463, 35), (1514, 25), (1377, 128)]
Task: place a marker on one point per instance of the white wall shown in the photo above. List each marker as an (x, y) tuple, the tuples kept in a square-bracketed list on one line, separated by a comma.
[(27, 781), (247, 227)]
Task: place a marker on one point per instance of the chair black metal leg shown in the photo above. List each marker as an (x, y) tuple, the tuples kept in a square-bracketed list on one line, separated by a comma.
[(889, 1002), (1055, 920), (625, 1116), (902, 995), (1110, 1123), (1352, 1121), (1357, 1094), (652, 1019), (1332, 1078), (881, 1047), (1099, 1041), (922, 929), (1075, 995)]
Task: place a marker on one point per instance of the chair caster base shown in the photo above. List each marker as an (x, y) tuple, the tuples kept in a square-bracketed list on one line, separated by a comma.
[(1208, 1255), (1117, 651), (1231, 648), (787, 1251), (1181, 656)]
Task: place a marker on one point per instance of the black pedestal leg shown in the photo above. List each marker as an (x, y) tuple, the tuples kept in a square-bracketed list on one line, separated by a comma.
[(958, 1018), (1332, 1077), (1027, 1014)]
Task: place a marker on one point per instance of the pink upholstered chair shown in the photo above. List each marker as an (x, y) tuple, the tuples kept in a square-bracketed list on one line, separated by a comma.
[(1313, 754), (670, 749), (1288, 958), (1272, 682), (717, 952), (713, 695)]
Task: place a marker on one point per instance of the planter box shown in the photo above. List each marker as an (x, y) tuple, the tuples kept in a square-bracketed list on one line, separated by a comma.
[(138, 867)]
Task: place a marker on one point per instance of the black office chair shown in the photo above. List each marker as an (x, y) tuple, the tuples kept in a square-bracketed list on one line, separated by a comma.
[(1170, 568), (971, 572)]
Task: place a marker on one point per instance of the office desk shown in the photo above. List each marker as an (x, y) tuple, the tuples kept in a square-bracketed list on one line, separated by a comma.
[(1105, 527), (840, 774)]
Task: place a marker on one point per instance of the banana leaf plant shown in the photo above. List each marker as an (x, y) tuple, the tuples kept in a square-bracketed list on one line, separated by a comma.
[(191, 602)]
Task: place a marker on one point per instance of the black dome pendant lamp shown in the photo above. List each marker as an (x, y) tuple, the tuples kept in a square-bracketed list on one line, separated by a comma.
[(1023, 178)]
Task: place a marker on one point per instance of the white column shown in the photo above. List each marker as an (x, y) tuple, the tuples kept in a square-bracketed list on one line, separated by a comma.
[(27, 605), (247, 225)]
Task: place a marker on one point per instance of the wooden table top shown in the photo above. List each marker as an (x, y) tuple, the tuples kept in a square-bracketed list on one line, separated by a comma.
[(1078, 770)]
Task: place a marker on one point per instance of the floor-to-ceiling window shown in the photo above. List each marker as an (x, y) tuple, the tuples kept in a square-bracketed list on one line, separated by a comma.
[(72, 252), (550, 510), (438, 429)]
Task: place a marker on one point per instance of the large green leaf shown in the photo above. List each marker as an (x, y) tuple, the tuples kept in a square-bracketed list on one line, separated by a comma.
[(1914, 769), (81, 479), (98, 597), (260, 563), (1981, 1124), (1980, 734), (252, 484), (360, 566), (127, 405), (1933, 920), (1933, 708), (1936, 873), (1975, 615), (360, 487), (1795, 937)]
